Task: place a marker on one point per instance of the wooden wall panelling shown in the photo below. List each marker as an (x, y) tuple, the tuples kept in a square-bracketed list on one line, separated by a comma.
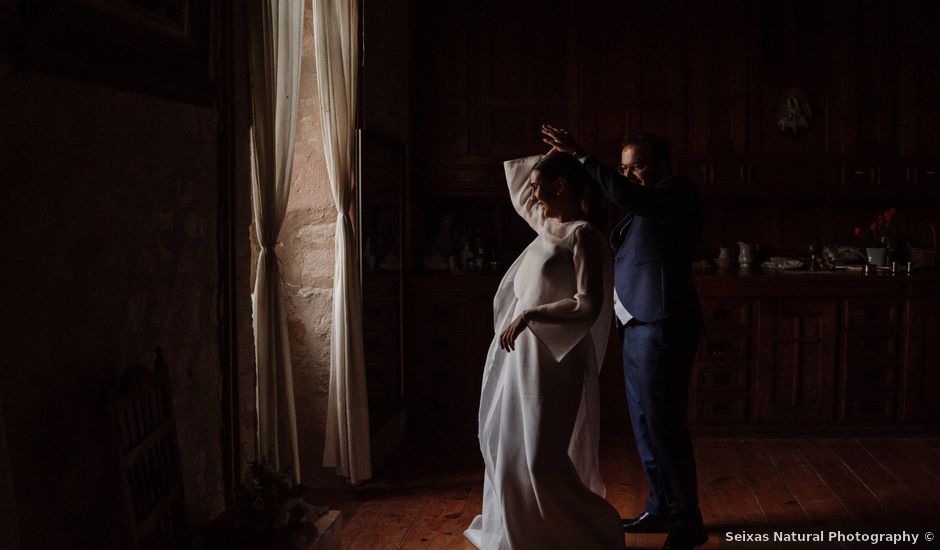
[(605, 91), (440, 79), (920, 95), (718, 45), (524, 72), (661, 81), (633, 58), (871, 81), (795, 45)]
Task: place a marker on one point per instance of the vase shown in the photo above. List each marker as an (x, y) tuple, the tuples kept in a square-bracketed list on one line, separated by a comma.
[(877, 255)]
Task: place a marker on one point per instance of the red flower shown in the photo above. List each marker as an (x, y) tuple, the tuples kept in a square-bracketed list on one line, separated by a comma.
[(881, 228)]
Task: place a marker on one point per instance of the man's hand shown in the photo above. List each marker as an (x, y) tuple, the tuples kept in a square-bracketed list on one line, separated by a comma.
[(507, 340), (561, 140)]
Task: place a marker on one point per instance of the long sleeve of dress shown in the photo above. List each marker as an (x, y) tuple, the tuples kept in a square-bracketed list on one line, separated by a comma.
[(588, 253), (521, 193)]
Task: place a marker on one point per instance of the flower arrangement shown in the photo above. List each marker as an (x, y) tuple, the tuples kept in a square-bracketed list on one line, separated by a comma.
[(881, 230)]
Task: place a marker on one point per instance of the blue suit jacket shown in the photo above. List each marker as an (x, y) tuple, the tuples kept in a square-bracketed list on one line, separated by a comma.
[(654, 245)]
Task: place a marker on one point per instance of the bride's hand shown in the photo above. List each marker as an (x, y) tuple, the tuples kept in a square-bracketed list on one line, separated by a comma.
[(507, 340)]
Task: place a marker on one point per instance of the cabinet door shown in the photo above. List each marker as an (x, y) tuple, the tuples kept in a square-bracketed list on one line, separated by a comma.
[(922, 364), (796, 361)]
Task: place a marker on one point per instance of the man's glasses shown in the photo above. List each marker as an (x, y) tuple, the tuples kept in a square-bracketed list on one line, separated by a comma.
[(637, 166)]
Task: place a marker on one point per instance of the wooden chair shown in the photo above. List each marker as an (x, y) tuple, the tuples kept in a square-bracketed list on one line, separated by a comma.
[(145, 430)]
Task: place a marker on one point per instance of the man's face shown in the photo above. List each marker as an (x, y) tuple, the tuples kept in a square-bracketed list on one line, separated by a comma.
[(638, 165)]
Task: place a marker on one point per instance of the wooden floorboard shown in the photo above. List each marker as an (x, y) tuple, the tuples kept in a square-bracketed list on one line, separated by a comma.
[(439, 521), (776, 501), (811, 492), (855, 497), (921, 454), (720, 468), (917, 483), (429, 497), (627, 489), (901, 505)]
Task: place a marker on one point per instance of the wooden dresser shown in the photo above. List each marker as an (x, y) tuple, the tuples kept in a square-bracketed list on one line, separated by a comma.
[(783, 352)]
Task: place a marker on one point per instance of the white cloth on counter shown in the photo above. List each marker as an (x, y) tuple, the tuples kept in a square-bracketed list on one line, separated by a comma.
[(779, 262)]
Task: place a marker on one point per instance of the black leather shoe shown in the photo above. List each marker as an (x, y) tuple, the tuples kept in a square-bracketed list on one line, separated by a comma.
[(646, 523), (685, 537)]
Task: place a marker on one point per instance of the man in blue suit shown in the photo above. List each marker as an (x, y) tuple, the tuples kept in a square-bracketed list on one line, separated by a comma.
[(659, 318)]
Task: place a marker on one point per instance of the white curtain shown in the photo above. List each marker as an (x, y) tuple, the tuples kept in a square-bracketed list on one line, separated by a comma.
[(276, 29), (336, 35)]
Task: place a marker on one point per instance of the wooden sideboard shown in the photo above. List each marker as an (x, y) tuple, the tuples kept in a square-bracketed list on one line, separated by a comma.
[(783, 351), (808, 351)]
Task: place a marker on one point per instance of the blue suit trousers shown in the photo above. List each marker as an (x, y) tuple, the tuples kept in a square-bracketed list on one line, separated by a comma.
[(657, 363)]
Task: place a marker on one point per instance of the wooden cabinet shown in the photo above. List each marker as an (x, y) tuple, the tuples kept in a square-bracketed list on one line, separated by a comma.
[(453, 327), (797, 353), (796, 360), (921, 375), (806, 352), (720, 385), (380, 229), (381, 336)]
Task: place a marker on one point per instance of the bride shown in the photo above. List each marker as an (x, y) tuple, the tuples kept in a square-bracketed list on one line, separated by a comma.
[(539, 408)]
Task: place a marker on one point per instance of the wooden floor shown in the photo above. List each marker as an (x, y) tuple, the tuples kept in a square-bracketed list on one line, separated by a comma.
[(428, 497)]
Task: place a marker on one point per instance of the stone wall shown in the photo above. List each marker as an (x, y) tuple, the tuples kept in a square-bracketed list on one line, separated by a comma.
[(109, 224)]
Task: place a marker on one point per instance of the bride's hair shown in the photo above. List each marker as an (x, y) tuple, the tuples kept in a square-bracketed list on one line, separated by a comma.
[(579, 184)]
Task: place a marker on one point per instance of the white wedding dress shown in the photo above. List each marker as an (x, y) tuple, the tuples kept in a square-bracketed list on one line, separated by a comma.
[(539, 405)]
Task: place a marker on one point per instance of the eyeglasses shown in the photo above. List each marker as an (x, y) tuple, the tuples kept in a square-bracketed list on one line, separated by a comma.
[(636, 167)]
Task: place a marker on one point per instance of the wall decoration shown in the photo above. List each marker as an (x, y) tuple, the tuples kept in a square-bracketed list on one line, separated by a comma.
[(794, 113)]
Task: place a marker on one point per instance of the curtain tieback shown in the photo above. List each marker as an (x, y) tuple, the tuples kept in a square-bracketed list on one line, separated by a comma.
[(269, 253)]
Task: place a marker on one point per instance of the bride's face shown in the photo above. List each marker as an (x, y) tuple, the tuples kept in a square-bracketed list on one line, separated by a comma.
[(549, 194)]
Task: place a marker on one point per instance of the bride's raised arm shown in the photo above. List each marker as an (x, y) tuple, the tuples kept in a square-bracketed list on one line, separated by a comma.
[(520, 192)]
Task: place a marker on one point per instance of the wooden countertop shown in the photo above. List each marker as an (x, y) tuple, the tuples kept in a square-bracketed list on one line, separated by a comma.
[(759, 282), (752, 282)]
